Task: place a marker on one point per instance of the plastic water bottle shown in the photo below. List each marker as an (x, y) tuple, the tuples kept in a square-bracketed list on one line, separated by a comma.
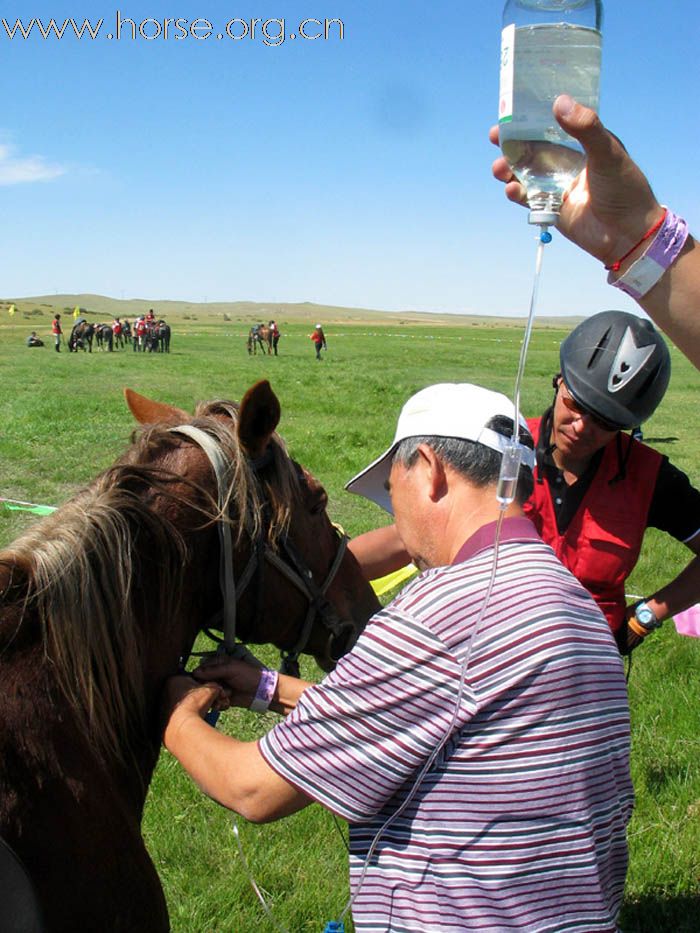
[(548, 47)]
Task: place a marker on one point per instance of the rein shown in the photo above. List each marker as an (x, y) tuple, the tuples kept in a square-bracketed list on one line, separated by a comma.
[(294, 568)]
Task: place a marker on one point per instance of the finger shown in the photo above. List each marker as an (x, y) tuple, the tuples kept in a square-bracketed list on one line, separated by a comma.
[(493, 135), (501, 170), (585, 125), (515, 192)]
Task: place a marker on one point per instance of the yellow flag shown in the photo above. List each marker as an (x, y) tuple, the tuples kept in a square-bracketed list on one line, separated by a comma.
[(383, 585), (76, 313), (11, 310)]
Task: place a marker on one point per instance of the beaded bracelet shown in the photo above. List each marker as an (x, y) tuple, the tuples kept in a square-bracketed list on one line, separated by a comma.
[(265, 692), (665, 248)]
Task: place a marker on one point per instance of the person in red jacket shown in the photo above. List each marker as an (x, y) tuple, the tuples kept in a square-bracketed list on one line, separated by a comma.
[(598, 489), (57, 330), (319, 340)]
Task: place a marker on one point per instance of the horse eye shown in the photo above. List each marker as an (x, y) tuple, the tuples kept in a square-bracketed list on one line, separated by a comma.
[(320, 503)]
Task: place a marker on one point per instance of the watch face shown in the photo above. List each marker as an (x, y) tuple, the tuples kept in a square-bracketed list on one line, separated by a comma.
[(645, 616)]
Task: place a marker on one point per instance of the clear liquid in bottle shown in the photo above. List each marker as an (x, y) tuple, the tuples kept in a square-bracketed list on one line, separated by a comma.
[(539, 61)]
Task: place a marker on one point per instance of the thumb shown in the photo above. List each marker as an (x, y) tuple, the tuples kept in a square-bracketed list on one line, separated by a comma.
[(585, 125)]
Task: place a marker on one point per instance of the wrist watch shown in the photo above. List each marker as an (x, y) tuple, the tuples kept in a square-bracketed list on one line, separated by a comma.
[(645, 616)]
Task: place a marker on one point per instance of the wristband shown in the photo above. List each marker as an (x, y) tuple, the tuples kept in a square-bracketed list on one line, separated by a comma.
[(665, 248), (265, 692), (636, 628)]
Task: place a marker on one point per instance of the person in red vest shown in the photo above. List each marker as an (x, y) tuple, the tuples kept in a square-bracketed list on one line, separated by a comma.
[(139, 333), (319, 340), (597, 489), (57, 330)]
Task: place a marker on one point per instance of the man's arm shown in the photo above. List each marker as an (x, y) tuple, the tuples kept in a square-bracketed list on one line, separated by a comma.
[(231, 772), (379, 552), (682, 592), (606, 212)]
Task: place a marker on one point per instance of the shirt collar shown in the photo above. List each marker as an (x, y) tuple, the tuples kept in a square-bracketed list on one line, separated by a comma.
[(512, 529)]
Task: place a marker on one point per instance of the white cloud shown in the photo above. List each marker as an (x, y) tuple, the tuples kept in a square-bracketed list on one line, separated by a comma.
[(16, 169)]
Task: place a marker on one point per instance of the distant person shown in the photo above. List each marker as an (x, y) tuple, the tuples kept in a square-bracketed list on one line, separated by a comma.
[(117, 331), (607, 212), (319, 340), (34, 341), (57, 330), (139, 334), (150, 318), (274, 336)]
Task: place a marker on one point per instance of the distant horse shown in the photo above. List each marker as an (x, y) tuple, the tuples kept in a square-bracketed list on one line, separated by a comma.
[(81, 336), (163, 336), (99, 601), (104, 336), (259, 335)]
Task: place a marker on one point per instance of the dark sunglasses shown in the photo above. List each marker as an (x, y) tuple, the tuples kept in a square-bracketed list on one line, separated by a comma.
[(573, 406)]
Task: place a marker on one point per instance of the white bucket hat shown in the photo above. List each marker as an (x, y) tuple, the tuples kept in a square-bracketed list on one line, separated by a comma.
[(449, 409)]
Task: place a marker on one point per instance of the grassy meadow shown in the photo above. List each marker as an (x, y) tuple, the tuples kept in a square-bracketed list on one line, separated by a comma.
[(63, 419)]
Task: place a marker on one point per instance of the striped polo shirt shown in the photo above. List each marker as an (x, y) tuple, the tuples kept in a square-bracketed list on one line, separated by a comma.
[(520, 822)]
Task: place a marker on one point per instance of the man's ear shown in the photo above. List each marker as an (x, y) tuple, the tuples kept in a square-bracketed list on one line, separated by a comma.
[(434, 472)]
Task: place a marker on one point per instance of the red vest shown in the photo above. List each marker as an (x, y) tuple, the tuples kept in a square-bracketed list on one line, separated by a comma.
[(602, 543)]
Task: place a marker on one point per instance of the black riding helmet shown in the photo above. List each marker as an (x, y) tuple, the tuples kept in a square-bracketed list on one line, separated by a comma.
[(617, 366)]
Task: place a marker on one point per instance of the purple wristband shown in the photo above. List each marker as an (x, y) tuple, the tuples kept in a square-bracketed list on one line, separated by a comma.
[(265, 692), (665, 248)]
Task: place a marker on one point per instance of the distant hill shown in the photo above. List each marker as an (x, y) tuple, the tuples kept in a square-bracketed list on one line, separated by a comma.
[(98, 307)]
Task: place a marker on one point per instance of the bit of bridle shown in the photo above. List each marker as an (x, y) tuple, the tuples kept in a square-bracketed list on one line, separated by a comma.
[(288, 562)]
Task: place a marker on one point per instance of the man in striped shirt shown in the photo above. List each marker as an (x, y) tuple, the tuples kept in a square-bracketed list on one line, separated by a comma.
[(476, 737)]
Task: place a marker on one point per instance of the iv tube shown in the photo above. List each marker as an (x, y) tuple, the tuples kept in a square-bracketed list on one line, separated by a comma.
[(510, 461)]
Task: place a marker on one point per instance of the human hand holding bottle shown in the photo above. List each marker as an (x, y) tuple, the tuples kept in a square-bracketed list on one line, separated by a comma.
[(610, 204), (607, 210)]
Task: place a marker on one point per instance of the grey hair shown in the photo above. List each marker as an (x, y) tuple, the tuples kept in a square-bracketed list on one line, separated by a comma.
[(478, 464)]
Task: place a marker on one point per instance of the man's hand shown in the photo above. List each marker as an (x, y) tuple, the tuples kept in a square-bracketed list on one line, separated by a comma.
[(182, 699), (610, 205)]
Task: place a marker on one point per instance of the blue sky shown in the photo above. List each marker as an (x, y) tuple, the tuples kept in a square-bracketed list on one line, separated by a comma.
[(353, 172)]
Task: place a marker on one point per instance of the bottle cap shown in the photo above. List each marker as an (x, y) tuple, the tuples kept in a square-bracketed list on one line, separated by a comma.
[(548, 217)]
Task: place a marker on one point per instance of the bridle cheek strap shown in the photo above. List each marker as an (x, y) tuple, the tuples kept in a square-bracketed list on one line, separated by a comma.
[(298, 574)]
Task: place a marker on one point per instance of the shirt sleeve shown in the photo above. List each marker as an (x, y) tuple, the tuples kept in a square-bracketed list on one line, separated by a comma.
[(356, 738), (675, 505)]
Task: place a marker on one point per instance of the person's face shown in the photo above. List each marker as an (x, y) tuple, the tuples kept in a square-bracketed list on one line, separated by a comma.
[(406, 497), (576, 432)]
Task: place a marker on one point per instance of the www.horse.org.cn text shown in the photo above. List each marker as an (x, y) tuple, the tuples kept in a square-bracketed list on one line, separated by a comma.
[(271, 32)]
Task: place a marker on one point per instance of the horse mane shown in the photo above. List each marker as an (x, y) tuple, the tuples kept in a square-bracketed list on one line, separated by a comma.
[(84, 569)]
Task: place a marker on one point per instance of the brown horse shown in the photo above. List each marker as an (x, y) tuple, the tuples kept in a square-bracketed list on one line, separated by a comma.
[(99, 601), (260, 335)]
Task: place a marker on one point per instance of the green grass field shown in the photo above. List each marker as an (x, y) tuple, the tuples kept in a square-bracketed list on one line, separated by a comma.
[(63, 420)]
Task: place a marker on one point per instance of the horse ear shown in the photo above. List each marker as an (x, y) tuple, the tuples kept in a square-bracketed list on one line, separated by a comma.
[(258, 417), (147, 411)]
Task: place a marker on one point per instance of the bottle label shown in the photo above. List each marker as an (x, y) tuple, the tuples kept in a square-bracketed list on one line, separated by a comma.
[(505, 103)]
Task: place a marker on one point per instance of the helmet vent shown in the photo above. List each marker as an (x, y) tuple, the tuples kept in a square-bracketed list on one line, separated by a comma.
[(599, 348)]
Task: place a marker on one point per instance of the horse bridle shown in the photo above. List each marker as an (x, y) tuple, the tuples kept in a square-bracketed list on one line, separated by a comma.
[(293, 568)]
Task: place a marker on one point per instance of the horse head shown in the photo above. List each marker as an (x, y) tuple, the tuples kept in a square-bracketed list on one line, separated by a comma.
[(288, 577)]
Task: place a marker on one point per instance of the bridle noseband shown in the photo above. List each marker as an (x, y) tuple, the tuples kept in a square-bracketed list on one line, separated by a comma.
[(293, 568)]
